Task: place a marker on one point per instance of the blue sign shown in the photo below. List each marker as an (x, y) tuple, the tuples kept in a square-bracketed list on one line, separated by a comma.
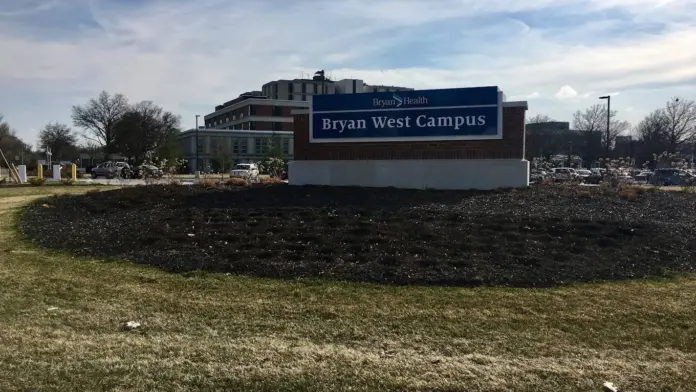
[(446, 114)]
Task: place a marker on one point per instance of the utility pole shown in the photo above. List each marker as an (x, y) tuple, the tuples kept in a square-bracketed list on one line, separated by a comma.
[(608, 98), (198, 165)]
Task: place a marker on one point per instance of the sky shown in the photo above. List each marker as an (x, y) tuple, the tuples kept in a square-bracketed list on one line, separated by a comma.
[(188, 56)]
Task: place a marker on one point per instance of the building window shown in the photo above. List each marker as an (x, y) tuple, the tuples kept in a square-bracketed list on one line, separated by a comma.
[(277, 126), (243, 146), (290, 88), (316, 88), (304, 97), (258, 145), (234, 117), (286, 146), (235, 146), (304, 88), (202, 141), (252, 125), (252, 110), (241, 115), (216, 144), (277, 111), (289, 97)]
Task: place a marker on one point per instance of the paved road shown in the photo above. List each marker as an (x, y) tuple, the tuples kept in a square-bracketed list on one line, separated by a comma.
[(119, 182)]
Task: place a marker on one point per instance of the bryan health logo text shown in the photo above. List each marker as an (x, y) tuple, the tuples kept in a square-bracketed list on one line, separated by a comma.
[(397, 101)]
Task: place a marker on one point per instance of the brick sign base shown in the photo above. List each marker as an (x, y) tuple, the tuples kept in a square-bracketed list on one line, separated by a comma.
[(456, 164)]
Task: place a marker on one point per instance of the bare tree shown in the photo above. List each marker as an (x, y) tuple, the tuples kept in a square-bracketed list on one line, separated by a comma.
[(9, 141), (539, 118), (221, 154), (594, 119), (5, 131), (680, 116), (99, 117), (652, 135), (60, 139), (144, 129)]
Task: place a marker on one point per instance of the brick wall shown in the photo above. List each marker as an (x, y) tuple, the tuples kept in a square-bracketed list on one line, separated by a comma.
[(511, 146)]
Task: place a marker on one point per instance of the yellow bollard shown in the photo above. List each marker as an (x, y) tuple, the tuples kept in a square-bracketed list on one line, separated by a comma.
[(39, 171), (74, 172)]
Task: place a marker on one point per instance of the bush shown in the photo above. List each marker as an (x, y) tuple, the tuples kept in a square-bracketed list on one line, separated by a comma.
[(237, 182), (67, 181), (208, 183), (270, 180), (36, 181), (272, 166), (637, 189), (631, 192)]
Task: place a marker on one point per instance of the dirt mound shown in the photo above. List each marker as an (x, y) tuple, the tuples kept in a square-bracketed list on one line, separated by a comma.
[(541, 236)]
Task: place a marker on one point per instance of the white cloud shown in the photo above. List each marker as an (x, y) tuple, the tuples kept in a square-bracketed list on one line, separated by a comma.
[(190, 56), (566, 92)]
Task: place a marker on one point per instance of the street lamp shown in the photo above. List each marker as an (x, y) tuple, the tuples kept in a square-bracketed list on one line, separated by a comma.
[(608, 98), (198, 165)]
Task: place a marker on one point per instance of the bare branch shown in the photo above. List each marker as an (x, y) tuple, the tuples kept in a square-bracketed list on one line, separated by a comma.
[(539, 118), (680, 115), (99, 117)]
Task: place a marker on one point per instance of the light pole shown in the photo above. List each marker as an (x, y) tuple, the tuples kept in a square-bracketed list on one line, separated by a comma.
[(608, 98), (198, 165)]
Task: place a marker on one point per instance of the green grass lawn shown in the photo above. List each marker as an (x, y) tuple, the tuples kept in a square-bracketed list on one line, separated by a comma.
[(61, 321)]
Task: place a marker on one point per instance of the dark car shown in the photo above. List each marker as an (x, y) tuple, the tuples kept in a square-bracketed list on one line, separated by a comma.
[(668, 177), (112, 170), (147, 171)]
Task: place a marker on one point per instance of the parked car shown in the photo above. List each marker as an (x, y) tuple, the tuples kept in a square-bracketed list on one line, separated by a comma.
[(583, 174), (112, 170), (149, 171), (668, 177), (562, 174), (643, 176), (249, 171)]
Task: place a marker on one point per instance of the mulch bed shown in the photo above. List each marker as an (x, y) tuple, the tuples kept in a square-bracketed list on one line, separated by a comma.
[(536, 237)]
